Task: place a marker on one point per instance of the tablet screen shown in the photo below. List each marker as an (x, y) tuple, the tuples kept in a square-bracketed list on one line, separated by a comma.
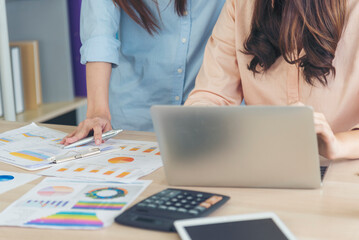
[(249, 229)]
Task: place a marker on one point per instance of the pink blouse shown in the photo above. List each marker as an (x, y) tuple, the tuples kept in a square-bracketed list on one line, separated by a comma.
[(225, 80)]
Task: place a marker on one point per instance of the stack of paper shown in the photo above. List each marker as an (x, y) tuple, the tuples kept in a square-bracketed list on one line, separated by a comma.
[(31, 147)]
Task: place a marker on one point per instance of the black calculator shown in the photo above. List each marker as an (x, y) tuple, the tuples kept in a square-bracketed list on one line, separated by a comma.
[(159, 211)]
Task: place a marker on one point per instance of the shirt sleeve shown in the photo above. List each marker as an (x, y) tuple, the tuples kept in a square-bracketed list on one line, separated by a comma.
[(99, 25), (218, 81)]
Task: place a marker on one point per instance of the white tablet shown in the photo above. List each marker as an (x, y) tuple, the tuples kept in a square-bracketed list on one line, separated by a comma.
[(256, 226)]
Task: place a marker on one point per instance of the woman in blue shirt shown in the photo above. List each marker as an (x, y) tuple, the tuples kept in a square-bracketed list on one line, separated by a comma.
[(139, 53)]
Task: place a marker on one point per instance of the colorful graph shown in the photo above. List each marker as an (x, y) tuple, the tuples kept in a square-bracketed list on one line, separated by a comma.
[(79, 169), (45, 204), (5, 178), (149, 150), (30, 155), (121, 160), (134, 149), (5, 140), (106, 193), (108, 172), (32, 135), (122, 175), (69, 219), (55, 191), (99, 205)]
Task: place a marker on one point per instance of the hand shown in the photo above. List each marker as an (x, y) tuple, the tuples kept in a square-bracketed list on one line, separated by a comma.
[(328, 144), (97, 124)]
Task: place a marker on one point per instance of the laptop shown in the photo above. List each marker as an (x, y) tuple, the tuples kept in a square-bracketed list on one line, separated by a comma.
[(238, 146)]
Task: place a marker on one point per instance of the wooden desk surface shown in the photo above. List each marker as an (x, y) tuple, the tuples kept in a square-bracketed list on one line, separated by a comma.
[(329, 213)]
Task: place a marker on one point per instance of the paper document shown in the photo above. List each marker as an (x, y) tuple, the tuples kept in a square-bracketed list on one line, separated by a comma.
[(120, 160), (31, 147), (11, 180), (71, 204)]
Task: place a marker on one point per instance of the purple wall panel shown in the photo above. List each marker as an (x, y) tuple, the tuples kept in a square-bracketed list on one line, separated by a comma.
[(78, 68)]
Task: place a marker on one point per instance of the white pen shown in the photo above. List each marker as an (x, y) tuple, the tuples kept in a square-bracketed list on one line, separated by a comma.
[(105, 136)]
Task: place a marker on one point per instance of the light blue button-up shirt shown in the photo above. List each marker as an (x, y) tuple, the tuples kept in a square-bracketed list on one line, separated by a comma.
[(147, 70)]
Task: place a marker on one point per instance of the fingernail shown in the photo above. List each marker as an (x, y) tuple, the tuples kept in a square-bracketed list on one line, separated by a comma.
[(98, 142)]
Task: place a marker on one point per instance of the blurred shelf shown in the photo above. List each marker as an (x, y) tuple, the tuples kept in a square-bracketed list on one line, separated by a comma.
[(47, 111)]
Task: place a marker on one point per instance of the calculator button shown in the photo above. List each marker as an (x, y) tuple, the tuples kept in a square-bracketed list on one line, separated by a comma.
[(168, 203), (165, 198), (194, 212), (174, 199), (173, 193), (164, 192), (180, 196), (162, 207), (214, 199), (158, 202), (183, 210), (142, 204), (172, 208), (178, 204), (200, 208), (194, 203), (189, 198), (199, 195), (187, 206), (152, 205), (205, 205)]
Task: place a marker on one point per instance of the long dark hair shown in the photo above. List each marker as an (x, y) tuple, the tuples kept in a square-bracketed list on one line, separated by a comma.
[(138, 11), (284, 27)]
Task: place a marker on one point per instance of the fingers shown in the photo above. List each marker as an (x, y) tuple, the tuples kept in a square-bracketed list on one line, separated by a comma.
[(67, 136), (98, 125), (322, 127), (297, 104), (97, 134)]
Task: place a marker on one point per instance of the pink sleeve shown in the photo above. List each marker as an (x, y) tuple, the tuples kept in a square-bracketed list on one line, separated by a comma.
[(218, 81)]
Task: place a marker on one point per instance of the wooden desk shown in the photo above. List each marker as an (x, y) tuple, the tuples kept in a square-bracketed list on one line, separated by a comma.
[(329, 213)]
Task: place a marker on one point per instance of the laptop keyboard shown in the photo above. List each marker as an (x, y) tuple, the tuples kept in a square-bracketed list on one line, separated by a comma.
[(323, 170)]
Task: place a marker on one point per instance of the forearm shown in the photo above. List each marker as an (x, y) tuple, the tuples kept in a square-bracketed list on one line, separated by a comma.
[(98, 78), (349, 142)]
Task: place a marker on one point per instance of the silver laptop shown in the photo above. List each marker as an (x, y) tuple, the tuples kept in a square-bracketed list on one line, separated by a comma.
[(240, 146)]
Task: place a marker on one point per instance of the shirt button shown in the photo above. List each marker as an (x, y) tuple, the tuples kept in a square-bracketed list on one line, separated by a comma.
[(180, 70), (185, 13), (177, 98), (184, 40)]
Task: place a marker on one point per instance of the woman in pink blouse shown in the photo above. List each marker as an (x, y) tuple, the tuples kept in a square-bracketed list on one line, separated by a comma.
[(285, 52)]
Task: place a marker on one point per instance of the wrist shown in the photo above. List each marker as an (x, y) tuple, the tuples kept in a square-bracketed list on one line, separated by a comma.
[(99, 113)]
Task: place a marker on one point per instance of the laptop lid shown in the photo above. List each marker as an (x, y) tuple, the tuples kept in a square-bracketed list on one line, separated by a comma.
[(238, 146)]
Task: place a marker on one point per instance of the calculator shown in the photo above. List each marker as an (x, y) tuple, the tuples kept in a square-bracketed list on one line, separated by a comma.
[(159, 211)]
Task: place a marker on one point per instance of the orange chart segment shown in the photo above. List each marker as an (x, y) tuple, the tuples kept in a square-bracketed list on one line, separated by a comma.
[(121, 160)]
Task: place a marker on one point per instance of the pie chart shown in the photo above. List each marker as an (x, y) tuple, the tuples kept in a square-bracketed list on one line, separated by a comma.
[(121, 160), (54, 191)]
